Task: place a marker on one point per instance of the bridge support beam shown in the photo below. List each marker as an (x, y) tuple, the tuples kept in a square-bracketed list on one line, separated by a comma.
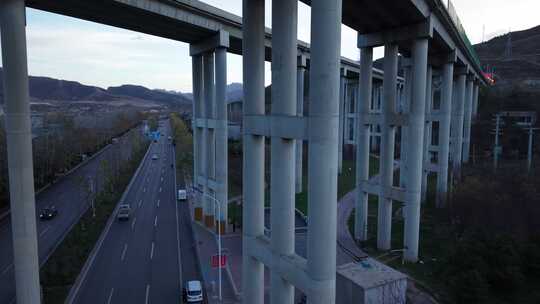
[(300, 75), (414, 155), (444, 133), (362, 142), (384, 225), (19, 147), (253, 162), (468, 120)]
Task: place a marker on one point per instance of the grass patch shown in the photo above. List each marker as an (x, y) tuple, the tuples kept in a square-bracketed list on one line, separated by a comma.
[(63, 266)]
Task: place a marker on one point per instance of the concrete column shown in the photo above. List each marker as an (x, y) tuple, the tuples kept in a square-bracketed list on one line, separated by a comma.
[(475, 100), (221, 143), (362, 142), (388, 130), (444, 133), (253, 162), (343, 111), (282, 159), (457, 125), (414, 156), (19, 150), (198, 133), (323, 128), (404, 108), (300, 72), (427, 133), (467, 120), (209, 100)]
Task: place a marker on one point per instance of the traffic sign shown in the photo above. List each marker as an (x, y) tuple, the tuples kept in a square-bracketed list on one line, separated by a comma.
[(216, 261)]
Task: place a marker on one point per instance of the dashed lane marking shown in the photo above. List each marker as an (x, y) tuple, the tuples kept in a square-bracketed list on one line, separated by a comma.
[(124, 252)]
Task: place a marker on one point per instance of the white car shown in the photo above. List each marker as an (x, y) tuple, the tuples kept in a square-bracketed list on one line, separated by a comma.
[(193, 292), (123, 212), (182, 195), (155, 156)]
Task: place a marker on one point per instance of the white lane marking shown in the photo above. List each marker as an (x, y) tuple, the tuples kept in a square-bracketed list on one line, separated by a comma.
[(140, 203), (144, 189), (133, 223), (162, 179), (158, 203), (155, 222), (147, 293), (110, 296), (6, 269), (160, 189), (44, 231), (152, 251), (124, 252)]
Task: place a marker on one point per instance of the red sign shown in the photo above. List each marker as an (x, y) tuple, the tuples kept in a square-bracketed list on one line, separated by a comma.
[(216, 263)]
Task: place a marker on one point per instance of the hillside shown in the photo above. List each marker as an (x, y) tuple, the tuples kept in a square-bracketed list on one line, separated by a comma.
[(520, 66)]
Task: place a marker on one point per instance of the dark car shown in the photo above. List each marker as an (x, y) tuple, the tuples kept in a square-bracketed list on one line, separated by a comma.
[(48, 213)]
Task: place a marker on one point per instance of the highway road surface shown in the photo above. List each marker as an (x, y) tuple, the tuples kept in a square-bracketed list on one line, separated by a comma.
[(139, 259), (67, 196)]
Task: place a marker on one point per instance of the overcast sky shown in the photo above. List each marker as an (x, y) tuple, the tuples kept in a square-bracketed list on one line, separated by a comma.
[(94, 54)]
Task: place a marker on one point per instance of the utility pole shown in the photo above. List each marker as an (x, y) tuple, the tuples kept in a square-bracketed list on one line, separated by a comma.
[(497, 148), (530, 148)]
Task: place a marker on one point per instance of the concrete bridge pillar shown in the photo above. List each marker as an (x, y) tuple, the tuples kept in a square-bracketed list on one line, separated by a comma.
[(210, 105), (253, 162), (469, 92), (457, 123), (221, 143), (388, 130), (282, 150), (427, 134), (300, 74), (343, 111), (323, 126), (210, 114), (362, 142), (404, 109), (475, 100), (415, 144), (199, 135), (444, 132), (19, 150)]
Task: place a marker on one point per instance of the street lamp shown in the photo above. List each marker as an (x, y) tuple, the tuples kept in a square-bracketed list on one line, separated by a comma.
[(216, 203)]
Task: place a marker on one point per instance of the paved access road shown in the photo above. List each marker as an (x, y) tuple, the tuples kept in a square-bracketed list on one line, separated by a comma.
[(138, 261), (67, 196)]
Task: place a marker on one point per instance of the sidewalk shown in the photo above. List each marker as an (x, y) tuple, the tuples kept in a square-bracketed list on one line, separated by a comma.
[(207, 244)]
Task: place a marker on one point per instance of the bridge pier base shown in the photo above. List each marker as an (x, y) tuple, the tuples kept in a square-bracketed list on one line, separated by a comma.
[(19, 148)]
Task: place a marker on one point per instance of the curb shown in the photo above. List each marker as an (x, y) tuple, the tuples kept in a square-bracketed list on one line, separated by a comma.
[(91, 257), (196, 245)]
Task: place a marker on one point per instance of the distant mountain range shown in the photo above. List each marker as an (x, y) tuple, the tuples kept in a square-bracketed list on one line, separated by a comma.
[(50, 89)]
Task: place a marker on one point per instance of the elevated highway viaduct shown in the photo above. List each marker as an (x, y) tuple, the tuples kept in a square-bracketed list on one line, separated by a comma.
[(426, 32)]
